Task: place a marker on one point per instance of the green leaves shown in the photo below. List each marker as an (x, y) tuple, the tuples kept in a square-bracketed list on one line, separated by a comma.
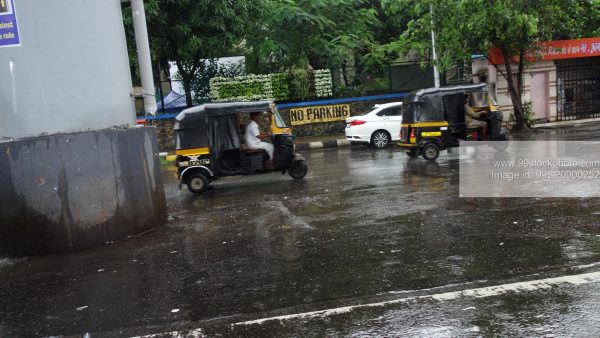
[(305, 30)]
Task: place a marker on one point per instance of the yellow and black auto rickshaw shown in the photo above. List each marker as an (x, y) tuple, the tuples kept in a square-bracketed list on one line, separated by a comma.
[(434, 119), (208, 144)]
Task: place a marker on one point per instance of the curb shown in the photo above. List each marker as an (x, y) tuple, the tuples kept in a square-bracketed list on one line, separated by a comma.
[(564, 124), (323, 144)]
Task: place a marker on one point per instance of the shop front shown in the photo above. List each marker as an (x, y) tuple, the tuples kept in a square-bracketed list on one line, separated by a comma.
[(562, 80)]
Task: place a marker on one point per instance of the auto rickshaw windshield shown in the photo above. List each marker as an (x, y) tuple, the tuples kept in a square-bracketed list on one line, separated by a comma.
[(479, 99), (278, 120)]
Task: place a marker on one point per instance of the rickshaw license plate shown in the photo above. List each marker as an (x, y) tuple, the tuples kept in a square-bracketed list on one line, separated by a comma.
[(199, 162), (431, 133)]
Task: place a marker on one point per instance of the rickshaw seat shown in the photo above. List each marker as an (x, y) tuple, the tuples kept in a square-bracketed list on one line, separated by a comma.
[(247, 150)]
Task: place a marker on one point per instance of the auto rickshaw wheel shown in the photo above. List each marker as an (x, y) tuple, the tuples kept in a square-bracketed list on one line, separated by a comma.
[(430, 151), (380, 139), (298, 169), (197, 183), (412, 153)]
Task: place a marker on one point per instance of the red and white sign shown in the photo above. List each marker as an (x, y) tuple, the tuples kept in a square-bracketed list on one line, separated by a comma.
[(556, 50)]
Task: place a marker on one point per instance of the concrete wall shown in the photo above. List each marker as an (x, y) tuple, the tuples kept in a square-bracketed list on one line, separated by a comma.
[(71, 72), (537, 97), (68, 192)]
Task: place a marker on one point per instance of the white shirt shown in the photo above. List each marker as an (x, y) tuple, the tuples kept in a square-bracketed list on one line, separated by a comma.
[(252, 133)]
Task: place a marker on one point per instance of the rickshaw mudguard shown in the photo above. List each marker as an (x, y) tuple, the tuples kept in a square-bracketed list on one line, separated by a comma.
[(204, 169), (298, 157), (436, 140)]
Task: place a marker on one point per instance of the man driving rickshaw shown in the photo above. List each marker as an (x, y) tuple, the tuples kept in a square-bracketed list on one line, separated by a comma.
[(435, 119)]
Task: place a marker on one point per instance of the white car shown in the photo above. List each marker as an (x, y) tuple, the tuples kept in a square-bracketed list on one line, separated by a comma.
[(379, 127)]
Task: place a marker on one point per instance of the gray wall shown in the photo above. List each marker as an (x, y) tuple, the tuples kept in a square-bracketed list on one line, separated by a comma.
[(67, 192), (71, 72)]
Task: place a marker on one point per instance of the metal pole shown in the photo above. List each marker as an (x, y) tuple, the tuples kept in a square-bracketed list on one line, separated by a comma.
[(160, 90), (436, 74), (144, 60)]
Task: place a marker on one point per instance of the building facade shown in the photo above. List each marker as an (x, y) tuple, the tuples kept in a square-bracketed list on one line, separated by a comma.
[(562, 80)]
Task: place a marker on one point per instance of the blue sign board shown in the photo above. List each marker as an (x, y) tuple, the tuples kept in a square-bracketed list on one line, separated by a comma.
[(9, 29)]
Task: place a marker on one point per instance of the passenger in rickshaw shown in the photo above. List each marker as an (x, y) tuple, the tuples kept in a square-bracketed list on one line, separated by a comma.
[(254, 137), (475, 119)]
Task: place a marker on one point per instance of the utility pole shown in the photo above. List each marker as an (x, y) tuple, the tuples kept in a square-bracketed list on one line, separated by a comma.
[(436, 74), (143, 51)]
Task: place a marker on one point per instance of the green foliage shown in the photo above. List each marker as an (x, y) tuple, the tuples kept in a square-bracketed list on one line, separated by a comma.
[(466, 27), (208, 70), (527, 113), (241, 89), (279, 86), (189, 31), (299, 82), (323, 83), (296, 85), (296, 32)]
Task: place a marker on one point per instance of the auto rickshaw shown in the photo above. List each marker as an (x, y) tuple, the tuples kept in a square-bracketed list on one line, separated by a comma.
[(433, 119), (209, 144)]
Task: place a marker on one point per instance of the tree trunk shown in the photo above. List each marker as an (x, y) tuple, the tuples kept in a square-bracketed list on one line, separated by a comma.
[(515, 90), (187, 87), (186, 81)]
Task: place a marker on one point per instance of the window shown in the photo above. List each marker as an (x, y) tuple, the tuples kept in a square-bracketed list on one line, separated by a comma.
[(393, 111)]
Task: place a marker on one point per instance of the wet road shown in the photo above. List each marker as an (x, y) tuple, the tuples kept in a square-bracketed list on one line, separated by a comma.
[(367, 236)]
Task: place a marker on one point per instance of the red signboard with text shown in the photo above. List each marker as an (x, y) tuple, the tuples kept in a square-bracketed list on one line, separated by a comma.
[(556, 50)]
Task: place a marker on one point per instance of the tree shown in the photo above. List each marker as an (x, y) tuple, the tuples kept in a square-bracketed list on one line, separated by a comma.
[(189, 31), (297, 33), (515, 27), (208, 70)]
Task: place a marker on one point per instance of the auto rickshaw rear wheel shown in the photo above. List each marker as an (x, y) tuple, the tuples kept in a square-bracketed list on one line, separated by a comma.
[(197, 183), (430, 151), (298, 169)]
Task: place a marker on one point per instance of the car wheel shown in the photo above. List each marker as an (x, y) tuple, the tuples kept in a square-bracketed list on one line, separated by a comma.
[(380, 139), (430, 151), (197, 183), (298, 169)]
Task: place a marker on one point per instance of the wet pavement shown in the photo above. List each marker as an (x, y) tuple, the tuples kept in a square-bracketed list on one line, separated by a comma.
[(366, 235)]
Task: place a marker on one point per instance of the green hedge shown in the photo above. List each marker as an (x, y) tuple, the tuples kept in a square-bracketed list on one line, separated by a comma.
[(295, 85)]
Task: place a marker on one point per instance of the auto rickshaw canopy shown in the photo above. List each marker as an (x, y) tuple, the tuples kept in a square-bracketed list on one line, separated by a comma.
[(213, 125), (438, 104)]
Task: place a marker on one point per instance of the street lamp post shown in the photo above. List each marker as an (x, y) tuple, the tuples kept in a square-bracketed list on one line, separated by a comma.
[(143, 50), (436, 74)]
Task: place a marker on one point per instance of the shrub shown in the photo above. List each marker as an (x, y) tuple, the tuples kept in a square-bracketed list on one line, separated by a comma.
[(299, 84)]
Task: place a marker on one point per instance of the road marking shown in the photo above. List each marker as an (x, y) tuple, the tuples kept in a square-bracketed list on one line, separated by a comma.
[(196, 333), (488, 291)]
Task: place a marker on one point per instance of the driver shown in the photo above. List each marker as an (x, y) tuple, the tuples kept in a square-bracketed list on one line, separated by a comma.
[(254, 137), (475, 119)]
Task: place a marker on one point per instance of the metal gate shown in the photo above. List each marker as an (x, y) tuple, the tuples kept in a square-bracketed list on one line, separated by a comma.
[(578, 88)]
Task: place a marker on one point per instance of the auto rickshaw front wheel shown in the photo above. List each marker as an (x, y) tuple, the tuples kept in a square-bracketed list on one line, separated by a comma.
[(197, 183), (430, 151), (298, 169)]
